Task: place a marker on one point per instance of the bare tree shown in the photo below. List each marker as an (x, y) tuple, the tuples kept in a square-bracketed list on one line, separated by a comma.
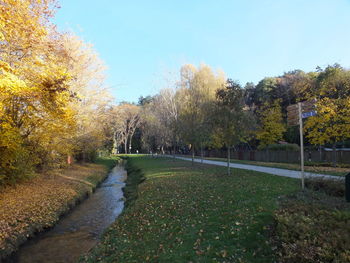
[(126, 119)]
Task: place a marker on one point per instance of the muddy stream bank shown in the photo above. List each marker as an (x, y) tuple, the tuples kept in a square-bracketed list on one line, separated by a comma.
[(80, 230)]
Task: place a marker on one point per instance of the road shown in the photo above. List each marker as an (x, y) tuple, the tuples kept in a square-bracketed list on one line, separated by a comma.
[(263, 169)]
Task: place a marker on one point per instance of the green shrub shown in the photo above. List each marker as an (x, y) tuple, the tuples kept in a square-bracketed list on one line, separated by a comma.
[(308, 232), (331, 187), (281, 147), (339, 165)]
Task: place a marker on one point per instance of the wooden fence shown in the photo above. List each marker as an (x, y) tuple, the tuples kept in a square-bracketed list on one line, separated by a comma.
[(282, 156)]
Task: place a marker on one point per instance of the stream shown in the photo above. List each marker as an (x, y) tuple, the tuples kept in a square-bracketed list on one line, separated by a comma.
[(80, 230)]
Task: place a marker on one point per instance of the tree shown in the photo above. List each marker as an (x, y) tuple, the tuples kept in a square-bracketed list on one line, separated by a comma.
[(25, 30), (332, 122), (155, 132), (48, 82), (92, 98), (265, 91), (127, 118), (272, 126), (189, 109), (145, 100), (231, 122), (14, 156), (35, 113), (249, 95), (167, 112), (197, 92), (207, 84)]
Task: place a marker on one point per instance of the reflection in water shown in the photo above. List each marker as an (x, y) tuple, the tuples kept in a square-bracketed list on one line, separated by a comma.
[(80, 230)]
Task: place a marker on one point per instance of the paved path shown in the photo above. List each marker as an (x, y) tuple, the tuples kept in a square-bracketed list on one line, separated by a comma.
[(269, 170)]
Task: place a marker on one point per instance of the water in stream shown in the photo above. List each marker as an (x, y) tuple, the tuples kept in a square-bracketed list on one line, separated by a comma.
[(80, 230)]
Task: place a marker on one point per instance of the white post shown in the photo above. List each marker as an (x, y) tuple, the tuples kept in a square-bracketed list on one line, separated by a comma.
[(301, 147)]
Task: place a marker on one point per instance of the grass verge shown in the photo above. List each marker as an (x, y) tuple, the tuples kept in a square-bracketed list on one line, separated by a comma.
[(309, 167), (132, 183), (194, 214), (37, 204)]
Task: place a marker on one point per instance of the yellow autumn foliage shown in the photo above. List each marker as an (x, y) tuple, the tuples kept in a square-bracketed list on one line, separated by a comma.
[(43, 91), (332, 122), (272, 126)]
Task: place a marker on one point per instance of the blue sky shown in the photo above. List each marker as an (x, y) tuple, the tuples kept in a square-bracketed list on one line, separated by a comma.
[(248, 39)]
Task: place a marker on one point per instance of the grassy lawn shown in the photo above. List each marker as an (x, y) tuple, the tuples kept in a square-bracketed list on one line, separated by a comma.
[(290, 166), (194, 214)]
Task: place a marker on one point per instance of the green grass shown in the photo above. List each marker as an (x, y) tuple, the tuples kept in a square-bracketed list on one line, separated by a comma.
[(109, 162), (132, 183), (194, 214), (289, 166)]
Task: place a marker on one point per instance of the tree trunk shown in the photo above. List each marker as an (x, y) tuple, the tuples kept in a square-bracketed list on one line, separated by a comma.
[(334, 156), (174, 149), (115, 146), (201, 153), (192, 155), (130, 140), (130, 145), (228, 161), (126, 147)]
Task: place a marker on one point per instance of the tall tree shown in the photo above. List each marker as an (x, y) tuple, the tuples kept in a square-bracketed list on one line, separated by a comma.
[(198, 88), (156, 130), (35, 87), (189, 110), (272, 126), (127, 119), (46, 88), (332, 122), (232, 122), (168, 113), (92, 101)]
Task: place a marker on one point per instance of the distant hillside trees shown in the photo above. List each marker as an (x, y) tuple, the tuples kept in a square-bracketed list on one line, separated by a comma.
[(203, 110)]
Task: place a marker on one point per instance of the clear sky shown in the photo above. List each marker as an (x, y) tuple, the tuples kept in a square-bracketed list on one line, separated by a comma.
[(248, 39)]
